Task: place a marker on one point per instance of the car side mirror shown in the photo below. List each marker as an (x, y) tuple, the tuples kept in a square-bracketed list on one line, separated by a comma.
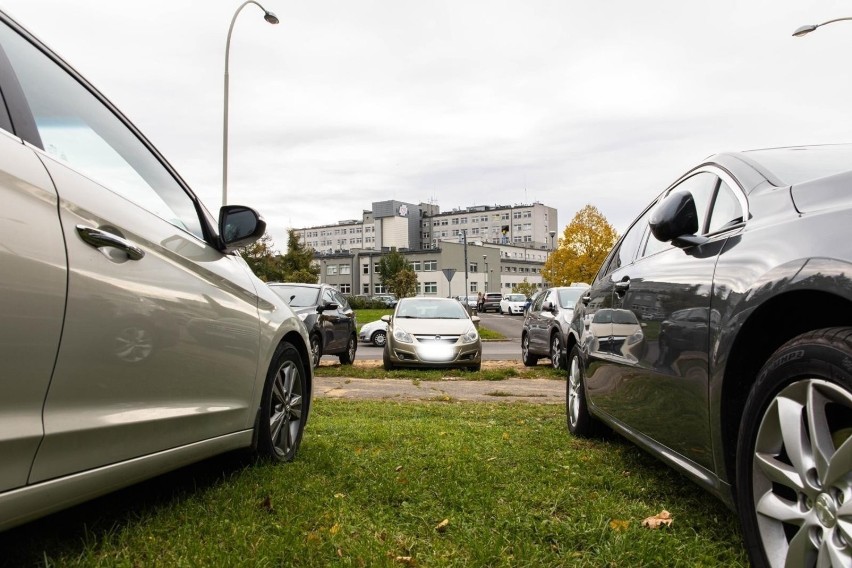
[(548, 307), (385, 318), (327, 306), (675, 219), (239, 226)]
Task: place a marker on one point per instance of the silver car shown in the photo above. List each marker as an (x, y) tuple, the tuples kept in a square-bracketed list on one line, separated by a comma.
[(432, 332), (134, 338)]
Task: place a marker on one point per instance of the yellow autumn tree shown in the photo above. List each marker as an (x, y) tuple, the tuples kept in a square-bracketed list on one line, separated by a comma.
[(583, 246)]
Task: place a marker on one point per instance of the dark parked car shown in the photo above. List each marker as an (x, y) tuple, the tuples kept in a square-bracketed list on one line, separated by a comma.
[(491, 301), (740, 275), (546, 324), (330, 321), (133, 337)]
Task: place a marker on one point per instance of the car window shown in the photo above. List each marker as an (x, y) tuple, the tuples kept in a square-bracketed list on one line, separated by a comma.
[(629, 244), (341, 301), (539, 300), (77, 128), (568, 296), (297, 296), (726, 209)]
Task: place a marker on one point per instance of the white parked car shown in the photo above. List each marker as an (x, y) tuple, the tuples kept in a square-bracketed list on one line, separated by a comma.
[(375, 332), (513, 304)]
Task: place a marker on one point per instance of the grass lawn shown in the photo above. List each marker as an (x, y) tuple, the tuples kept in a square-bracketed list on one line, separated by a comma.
[(402, 484), (491, 371), (366, 316)]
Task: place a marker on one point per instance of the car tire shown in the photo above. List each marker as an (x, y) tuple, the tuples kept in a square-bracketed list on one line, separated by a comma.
[(794, 484), (500, 310), (580, 421), (348, 356), (556, 358), (475, 368), (316, 350), (386, 362), (379, 338), (283, 406), (529, 359)]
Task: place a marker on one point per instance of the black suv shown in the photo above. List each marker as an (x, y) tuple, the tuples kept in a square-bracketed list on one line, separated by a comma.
[(717, 335), (329, 319)]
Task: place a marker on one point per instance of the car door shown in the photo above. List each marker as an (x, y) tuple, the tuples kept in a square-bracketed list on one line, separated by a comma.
[(539, 324), (160, 339), (659, 383), (32, 301)]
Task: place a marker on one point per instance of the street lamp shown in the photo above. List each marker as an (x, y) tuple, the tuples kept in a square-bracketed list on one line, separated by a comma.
[(552, 234), (485, 259), (272, 19), (805, 30)]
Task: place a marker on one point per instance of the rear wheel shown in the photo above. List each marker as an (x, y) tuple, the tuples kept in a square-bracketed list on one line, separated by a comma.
[(556, 352), (348, 356), (379, 338), (794, 459), (528, 359), (283, 406), (580, 422)]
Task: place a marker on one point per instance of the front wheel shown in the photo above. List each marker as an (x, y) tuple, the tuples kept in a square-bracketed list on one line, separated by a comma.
[(283, 408), (386, 362), (580, 422), (794, 458), (316, 350), (348, 356)]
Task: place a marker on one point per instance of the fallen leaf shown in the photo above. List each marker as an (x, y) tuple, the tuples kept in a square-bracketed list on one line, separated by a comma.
[(334, 529), (398, 468), (339, 495), (505, 435), (664, 518), (339, 553), (618, 525), (408, 560), (442, 526)]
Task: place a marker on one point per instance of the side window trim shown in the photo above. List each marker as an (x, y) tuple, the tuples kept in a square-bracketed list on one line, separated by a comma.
[(15, 114)]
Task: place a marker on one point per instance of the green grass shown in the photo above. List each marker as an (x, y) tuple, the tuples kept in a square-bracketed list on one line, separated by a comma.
[(374, 483), (497, 374), (486, 333)]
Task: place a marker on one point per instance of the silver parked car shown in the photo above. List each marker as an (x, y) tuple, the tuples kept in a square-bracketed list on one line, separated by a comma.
[(134, 339), (432, 332)]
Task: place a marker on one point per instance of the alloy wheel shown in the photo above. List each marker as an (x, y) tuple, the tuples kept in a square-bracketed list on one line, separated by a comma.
[(285, 420)]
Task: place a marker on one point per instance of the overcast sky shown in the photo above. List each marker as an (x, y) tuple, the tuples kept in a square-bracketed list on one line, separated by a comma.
[(460, 102)]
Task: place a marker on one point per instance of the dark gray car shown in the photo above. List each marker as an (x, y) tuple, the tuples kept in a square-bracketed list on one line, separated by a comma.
[(546, 325), (330, 321), (735, 366)]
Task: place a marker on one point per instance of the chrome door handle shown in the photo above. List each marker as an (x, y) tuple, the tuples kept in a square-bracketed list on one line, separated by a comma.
[(98, 238), (621, 287)]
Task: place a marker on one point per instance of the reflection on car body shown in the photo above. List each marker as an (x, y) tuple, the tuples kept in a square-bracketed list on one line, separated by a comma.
[(733, 364)]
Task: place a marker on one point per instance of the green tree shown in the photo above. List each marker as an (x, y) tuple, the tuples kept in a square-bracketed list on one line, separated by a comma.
[(525, 288), (396, 275), (298, 264), (584, 244), (261, 258)]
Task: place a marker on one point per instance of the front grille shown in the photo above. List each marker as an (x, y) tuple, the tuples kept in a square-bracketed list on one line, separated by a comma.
[(437, 339)]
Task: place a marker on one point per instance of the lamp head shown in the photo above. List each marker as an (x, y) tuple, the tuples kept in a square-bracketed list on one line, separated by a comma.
[(270, 17), (804, 30)]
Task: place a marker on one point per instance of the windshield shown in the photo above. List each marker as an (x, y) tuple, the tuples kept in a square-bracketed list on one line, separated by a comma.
[(298, 296), (516, 298), (568, 296), (414, 308)]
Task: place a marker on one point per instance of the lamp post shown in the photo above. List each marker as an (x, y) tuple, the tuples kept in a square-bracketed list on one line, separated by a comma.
[(272, 19), (805, 30), (466, 287), (485, 259), (552, 234)]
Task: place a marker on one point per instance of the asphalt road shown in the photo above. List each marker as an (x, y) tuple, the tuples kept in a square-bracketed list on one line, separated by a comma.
[(508, 350)]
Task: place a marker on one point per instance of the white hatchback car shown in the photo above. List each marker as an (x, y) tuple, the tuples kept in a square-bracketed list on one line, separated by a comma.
[(513, 304)]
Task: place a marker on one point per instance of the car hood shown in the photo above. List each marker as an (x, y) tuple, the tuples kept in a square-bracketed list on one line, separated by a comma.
[(433, 326)]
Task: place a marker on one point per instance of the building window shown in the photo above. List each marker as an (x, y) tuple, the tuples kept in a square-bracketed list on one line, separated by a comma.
[(415, 266), (331, 270), (365, 288), (365, 268), (455, 221), (345, 288), (378, 289), (474, 286), (430, 265), (430, 287), (474, 267), (463, 220), (516, 214), (345, 269)]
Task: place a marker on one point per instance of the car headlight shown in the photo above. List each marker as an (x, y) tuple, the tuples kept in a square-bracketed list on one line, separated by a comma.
[(470, 335), (402, 336)]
